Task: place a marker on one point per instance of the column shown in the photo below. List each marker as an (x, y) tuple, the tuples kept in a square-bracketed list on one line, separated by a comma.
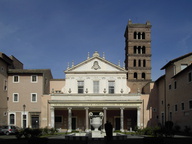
[(138, 117), (52, 110), (104, 117), (69, 119), (86, 119), (122, 118)]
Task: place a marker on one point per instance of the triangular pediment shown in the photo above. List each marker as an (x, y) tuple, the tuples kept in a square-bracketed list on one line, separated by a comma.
[(96, 64)]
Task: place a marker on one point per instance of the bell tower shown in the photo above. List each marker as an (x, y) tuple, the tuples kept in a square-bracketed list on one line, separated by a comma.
[(138, 55)]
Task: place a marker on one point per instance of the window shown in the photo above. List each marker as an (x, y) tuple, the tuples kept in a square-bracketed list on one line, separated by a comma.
[(58, 119), (175, 85), (34, 78), (134, 62), (143, 75), (139, 63), (80, 86), (15, 97), (95, 86), (190, 76), (143, 35), (135, 35), (111, 87), (175, 108), (135, 75), (144, 63), (182, 106), (139, 49), (16, 79), (143, 50), (2, 69), (162, 118), (12, 119), (135, 49), (139, 35), (169, 86), (33, 97), (183, 66), (190, 104), (5, 85)]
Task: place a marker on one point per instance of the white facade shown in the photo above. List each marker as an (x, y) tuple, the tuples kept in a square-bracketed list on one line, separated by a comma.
[(92, 86)]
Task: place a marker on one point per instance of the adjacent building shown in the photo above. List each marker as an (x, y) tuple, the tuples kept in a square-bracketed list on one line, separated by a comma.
[(174, 92)]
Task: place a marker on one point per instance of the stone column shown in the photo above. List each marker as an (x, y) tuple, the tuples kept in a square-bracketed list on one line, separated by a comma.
[(104, 117), (138, 116), (86, 119), (122, 120), (52, 111), (69, 119)]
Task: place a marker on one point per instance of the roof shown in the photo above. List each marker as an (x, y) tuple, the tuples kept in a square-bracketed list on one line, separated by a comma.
[(28, 71), (176, 59), (5, 58)]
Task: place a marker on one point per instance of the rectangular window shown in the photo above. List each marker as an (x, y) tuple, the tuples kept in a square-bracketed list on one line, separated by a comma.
[(80, 86), (182, 106), (111, 87), (34, 79), (33, 97), (170, 87), (12, 119), (95, 86), (175, 84), (16, 79), (162, 118), (190, 104), (175, 108), (190, 76), (5, 85), (15, 97)]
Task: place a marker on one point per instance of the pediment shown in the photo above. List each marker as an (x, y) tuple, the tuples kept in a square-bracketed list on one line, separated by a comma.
[(96, 64)]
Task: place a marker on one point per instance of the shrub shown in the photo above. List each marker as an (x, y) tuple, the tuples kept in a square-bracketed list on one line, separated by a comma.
[(177, 128), (187, 129)]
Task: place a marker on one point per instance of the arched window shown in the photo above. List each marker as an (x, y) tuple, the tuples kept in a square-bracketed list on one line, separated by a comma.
[(12, 119), (139, 63), (134, 63), (139, 35), (135, 49), (135, 75), (135, 35), (143, 75), (144, 63), (143, 50), (143, 35), (139, 49)]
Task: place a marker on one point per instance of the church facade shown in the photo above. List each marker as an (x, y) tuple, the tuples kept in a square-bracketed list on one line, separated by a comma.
[(96, 85)]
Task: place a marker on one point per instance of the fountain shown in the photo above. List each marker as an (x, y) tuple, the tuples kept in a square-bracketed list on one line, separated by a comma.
[(96, 122)]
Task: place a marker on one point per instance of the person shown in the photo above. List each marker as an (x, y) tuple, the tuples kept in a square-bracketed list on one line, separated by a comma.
[(108, 130)]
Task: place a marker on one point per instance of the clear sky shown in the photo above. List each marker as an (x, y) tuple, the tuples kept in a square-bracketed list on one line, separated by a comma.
[(50, 33)]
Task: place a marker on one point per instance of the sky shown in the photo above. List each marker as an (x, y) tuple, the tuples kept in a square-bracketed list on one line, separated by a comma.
[(49, 34)]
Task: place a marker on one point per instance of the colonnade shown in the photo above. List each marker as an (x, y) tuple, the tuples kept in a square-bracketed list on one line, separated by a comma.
[(52, 116)]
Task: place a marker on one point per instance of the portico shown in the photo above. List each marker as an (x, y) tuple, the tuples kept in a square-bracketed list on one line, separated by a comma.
[(124, 114)]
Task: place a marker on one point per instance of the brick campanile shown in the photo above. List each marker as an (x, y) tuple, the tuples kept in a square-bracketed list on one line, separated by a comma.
[(138, 55)]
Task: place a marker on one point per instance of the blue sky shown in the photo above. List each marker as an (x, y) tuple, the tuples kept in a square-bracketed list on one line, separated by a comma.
[(50, 33)]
